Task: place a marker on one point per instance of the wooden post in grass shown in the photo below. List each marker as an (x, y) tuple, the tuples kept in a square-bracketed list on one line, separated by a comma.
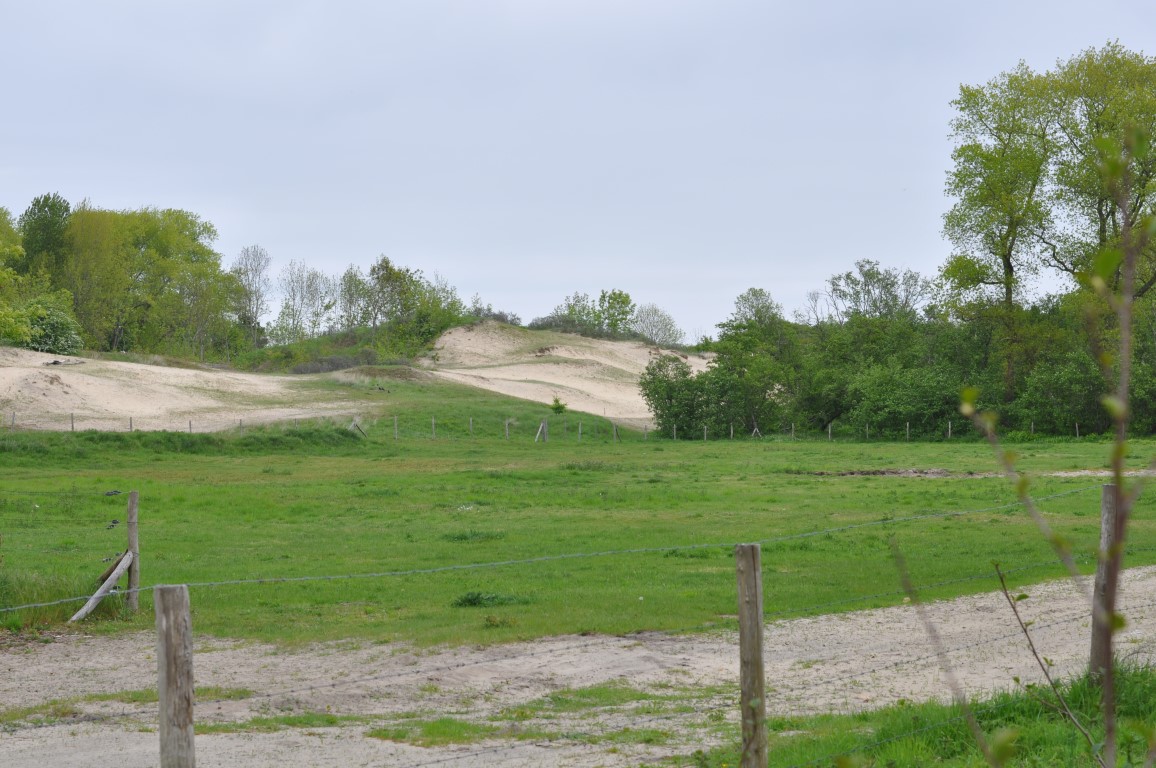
[(72, 421), (949, 429), (130, 423), (579, 431), (675, 431), (1077, 430), (752, 679), (395, 427), (507, 429), (909, 431), (433, 425), (732, 431), (828, 431), (191, 426), (645, 430), (130, 517), (471, 426), (704, 433), (792, 430), (1100, 656), (615, 432), (175, 676)]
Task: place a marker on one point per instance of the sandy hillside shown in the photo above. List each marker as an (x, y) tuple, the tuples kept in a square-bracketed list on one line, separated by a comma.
[(590, 375), (54, 392)]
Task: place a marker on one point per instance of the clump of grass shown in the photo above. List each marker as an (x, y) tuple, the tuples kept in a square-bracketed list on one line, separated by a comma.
[(589, 466), (280, 723), (487, 600), (435, 733), (472, 535)]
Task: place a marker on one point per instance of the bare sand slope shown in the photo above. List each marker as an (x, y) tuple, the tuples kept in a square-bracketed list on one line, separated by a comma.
[(54, 392), (590, 375)]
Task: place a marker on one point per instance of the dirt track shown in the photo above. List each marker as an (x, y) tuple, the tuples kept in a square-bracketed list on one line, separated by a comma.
[(845, 663)]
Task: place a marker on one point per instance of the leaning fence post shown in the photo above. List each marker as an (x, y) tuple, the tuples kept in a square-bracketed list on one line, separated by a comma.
[(748, 567), (130, 518), (175, 675), (1101, 655)]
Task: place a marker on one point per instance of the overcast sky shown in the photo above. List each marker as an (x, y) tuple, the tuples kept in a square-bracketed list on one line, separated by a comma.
[(528, 149)]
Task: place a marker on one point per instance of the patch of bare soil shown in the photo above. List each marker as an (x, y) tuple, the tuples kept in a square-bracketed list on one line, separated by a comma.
[(589, 375), (58, 393), (846, 662)]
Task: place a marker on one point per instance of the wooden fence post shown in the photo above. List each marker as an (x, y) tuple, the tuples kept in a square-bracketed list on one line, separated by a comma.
[(645, 431), (72, 421), (130, 423), (130, 518), (909, 431), (1101, 655), (433, 425), (579, 431), (1077, 430), (748, 567), (471, 426), (949, 429), (732, 431), (615, 432), (395, 427), (175, 676), (704, 433), (792, 430), (191, 426), (675, 431), (828, 431), (507, 429)]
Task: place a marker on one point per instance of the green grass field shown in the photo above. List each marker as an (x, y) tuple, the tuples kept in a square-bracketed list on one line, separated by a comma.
[(437, 518)]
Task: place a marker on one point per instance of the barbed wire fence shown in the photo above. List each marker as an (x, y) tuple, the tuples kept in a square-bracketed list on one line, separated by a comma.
[(88, 509)]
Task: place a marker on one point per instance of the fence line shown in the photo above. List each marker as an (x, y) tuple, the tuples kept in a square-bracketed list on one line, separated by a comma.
[(577, 555)]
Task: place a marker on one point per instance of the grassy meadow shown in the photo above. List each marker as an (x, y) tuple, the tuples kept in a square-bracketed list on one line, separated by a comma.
[(478, 539)]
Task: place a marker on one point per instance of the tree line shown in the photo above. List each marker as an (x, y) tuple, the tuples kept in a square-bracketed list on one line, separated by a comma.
[(150, 280), (882, 348)]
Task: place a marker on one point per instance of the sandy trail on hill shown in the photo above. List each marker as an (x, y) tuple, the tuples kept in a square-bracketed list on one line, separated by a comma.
[(845, 663)]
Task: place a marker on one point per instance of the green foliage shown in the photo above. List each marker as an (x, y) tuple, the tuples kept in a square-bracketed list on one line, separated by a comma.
[(558, 407), (51, 329), (43, 227)]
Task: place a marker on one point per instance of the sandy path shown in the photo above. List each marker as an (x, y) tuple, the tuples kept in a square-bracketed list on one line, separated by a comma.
[(845, 663)]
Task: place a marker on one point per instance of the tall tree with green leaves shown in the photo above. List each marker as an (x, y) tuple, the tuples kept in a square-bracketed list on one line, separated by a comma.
[(1000, 183), (44, 226), (1100, 93)]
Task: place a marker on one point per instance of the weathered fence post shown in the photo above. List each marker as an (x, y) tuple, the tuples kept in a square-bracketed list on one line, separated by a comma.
[(191, 426), (828, 431), (1101, 655), (130, 518), (395, 427), (471, 426), (72, 421), (675, 431), (130, 423), (507, 429), (615, 427), (909, 431), (752, 680), (433, 425), (949, 429), (579, 431), (792, 430), (1077, 430), (704, 433), (645, 430), (732, 431), (175, 676)]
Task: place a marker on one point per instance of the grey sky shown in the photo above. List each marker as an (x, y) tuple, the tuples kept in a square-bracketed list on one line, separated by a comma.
[(527, 149)]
